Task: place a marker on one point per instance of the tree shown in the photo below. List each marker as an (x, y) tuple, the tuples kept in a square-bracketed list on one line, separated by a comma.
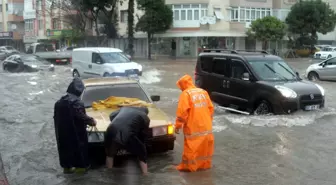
[(158, 18), (311, 17), (130, 26), (267, 29)]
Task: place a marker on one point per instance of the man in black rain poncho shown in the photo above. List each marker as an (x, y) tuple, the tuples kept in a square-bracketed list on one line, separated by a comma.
[(128, 130), (70, 121)]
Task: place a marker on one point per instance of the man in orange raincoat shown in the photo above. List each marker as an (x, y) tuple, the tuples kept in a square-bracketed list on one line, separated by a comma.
[(194, 114)]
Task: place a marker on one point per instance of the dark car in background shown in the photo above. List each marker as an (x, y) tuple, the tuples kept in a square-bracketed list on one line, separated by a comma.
[(26, 63), (255, 83)]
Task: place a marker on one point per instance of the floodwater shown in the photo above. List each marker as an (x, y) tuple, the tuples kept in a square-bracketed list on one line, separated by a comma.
[(269, 150)]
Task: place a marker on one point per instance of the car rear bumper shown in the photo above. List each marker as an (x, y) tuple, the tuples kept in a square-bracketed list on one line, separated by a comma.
[(288, 106), (154, 145)]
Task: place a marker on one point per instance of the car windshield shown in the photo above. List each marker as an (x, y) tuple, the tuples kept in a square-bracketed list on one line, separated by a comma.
[(277, 70), (114, 57), (327, 49), (34, 59), (101, 92), (9, 48)]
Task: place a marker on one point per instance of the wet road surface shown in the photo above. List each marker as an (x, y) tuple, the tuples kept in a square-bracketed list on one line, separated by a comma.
[(269, 150)]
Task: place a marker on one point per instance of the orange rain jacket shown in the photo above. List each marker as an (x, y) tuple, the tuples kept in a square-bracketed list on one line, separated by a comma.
[(195, 114)]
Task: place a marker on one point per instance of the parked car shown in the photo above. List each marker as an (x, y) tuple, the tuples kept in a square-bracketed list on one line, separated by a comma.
[(99, 61), (325, 70), (325, 53), (161, 135), (255, 83), (26, 63), (8, 50), (47, 51)]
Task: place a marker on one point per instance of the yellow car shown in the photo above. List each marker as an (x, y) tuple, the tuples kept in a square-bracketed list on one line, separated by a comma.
[(161, 135)]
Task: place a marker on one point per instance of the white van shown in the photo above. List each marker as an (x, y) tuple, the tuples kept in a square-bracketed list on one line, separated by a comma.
[(99, 61)]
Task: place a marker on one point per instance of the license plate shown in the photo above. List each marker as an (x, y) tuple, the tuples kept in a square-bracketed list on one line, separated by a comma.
[(312, 107)]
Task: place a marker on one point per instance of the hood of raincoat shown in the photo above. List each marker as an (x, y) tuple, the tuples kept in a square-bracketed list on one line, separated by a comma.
[(76, 87), (185, 82)]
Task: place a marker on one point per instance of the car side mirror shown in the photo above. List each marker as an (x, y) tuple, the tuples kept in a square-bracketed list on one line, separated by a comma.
[(246, 77), (129, 57), (297, 74), (155, 98)]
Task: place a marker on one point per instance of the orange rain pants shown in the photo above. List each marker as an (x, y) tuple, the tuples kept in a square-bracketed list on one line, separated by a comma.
[(195, 114)]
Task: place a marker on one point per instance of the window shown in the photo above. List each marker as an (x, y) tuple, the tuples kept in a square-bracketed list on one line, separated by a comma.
[(95, 93), (221, 67), (176, 15), (246, 14), (206, 63), (189, 11), (331, 61), (1, 7), (183, 15), (114, 57), (55, 24), (96, 58), (29, 25), (237, 69), (123, 16), (40, 22), (190, 17), (196, 15), (276, 70)]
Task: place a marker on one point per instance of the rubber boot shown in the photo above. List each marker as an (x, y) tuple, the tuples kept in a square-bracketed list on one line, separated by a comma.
[(82, 170)]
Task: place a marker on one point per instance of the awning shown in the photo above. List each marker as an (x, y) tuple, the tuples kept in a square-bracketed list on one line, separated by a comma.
[(202, 33), (219, 14)]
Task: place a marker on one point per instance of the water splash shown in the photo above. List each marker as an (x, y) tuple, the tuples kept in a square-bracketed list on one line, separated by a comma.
[(151, 76)]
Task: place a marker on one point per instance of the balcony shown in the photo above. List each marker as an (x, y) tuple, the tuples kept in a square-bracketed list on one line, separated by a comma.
[(252, 3), (186, 24), (29, 14), (187, 2)]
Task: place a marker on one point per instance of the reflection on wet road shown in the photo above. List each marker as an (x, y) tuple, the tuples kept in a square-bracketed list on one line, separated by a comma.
[(274, 150)]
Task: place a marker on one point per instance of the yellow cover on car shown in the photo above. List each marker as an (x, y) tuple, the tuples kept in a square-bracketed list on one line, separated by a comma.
[(114, 102)]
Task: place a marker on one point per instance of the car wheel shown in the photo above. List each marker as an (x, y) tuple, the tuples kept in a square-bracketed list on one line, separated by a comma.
[(313, 76), (75, 74), (329, 56), (263, 108)]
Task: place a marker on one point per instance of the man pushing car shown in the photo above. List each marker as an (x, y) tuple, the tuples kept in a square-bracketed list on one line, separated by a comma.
[(127, 130)]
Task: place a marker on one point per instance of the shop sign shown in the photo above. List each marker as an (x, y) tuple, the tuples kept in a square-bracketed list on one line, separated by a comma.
[(6, 35), (58, 33), (29, 39)]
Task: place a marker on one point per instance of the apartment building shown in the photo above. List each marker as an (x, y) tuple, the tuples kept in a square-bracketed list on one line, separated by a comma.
[(11, 18)]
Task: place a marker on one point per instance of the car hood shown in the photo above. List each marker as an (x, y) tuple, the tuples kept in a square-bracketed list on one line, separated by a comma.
[(300, 87), (157, 117)]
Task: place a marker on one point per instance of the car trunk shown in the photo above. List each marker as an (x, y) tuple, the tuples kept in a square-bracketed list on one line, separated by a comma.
[(157, 117)]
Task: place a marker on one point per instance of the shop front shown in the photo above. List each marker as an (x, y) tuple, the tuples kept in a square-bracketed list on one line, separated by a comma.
[(60, 38)]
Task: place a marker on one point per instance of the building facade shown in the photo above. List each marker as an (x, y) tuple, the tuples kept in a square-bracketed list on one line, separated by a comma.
[(217, 24), (11, 18)]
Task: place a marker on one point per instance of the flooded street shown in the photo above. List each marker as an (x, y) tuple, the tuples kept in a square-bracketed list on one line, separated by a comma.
[(269, 150)]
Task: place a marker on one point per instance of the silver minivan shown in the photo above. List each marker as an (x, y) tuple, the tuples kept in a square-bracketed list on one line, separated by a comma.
[(325, 70)]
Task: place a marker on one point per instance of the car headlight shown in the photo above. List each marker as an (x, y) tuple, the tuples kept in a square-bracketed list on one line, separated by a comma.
[(52, 65), (163, 130), (33, 66), (286, 92), (321, 89)]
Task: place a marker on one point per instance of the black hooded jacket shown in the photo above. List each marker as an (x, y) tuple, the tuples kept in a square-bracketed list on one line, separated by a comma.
[(70, 121), (126, 123)]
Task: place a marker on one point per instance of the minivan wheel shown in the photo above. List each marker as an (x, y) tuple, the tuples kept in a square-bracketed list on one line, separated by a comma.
[(263, 108), (313, 76), (75, 74)]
